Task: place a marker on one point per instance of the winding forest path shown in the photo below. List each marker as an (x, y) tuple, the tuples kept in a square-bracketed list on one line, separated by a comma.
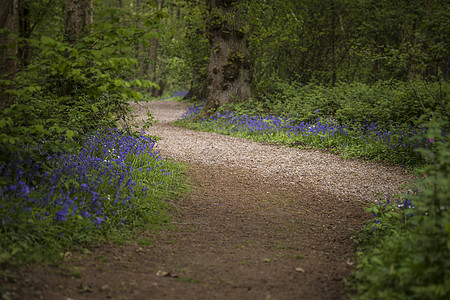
[(260, 222)]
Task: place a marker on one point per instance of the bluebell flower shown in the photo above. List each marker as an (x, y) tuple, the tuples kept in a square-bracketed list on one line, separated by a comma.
[(61, 215)]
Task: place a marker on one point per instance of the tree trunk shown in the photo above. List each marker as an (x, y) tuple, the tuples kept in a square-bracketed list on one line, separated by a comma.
[(154, 73), (151, 71), (333, 45), (25, 32), (229, 74), (78, 14), (198, 87), (9, 21)]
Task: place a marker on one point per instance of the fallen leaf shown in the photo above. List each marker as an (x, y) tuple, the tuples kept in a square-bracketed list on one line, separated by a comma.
[(85, 251), (104, 287), (84, 289), (162, 273)]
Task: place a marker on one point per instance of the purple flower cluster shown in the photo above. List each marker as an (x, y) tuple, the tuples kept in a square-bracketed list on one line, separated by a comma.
[(95, 184), (175, 95), (373, 140), (403, 208), (192, 112)]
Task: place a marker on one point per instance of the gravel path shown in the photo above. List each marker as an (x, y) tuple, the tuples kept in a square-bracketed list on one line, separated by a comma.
[(319, 170), (259, 221)]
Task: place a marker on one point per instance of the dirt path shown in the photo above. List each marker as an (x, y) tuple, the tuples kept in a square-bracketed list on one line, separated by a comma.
[(241, 233)]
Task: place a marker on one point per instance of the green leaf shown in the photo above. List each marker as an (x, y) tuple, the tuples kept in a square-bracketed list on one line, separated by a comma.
[(113, 62), (118, 82), (137, 95), (39, 127), (70, 134), (45, 40), (5, 257), (5, 121)]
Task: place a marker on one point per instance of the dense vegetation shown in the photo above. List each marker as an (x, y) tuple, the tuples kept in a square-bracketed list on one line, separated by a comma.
[(72, 169), (355, 120), (365, 79), (115, 182), (351, 78), (404, 251)]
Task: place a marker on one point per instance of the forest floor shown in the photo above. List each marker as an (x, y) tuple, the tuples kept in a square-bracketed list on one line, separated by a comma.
[(238, 233)]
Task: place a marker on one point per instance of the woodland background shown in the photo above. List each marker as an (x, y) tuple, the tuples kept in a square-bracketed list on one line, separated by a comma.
[(70, 68)]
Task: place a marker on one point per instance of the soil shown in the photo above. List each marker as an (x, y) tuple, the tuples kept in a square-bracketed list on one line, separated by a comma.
[(234, 235)]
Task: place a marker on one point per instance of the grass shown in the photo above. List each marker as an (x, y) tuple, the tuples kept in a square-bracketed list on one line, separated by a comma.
[(367, 141), (114, 183), (188, 280)]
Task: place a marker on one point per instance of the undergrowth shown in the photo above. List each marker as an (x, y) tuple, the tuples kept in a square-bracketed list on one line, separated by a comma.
[(353, 140), (116, 181), (404, 251)]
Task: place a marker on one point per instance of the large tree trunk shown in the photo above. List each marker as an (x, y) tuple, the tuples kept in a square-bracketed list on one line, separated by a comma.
[(230, 69), (78, 14), (9, 21)]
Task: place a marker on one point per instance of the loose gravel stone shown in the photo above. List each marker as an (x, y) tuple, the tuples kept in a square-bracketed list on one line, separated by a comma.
[(320, 170)]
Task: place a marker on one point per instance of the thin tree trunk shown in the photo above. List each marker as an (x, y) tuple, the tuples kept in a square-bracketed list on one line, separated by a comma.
[(346, 46), (122, 7), (333, 45), (9, 21), (152, 71), (141, 49), (25, 32), (229, 74)]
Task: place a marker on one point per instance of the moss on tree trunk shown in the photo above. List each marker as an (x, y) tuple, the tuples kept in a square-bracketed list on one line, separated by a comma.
[(229, 74)]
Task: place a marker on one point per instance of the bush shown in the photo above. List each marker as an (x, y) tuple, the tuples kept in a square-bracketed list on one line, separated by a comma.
[(406, 252), (386, 103)]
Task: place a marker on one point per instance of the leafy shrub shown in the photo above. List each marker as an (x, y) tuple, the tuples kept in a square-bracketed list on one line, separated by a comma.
[(70, 89), (406, 253), (385, 102)]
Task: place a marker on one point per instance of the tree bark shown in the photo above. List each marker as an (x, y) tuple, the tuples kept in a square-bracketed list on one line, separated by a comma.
[(153, 56), (229, 74), (78, 14), (9, 21), (151, 70), (25, 32), (333, 45)]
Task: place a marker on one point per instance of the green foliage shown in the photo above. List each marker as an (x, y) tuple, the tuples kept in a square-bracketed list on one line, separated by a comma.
[(350, 41), (63, 92), (385, 102), (68, 90), (251, 107), (186, 55), (406, 249), (87, 202)]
